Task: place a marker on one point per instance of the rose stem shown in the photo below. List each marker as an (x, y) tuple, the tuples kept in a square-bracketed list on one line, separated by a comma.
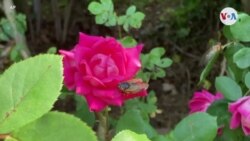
[(103, 125), (247, 93), (119, 31)]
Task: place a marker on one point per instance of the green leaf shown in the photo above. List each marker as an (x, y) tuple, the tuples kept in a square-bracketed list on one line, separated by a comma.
[(131, 10), (192, 128), (126, 26), (104, 12), (111, 20), (242, 58), (219, 109), (121, 20), (183, 32), (28, 90), (6, 27), (133, 121), (170, 136), (160, 138), (21, 24), (145, 76), (95, 8), (55, 126), (233, 71), (101, 18), (228, 87), (146, 108), (14, 54), (231, 135), (227, 33), (160, 73), (82, 111), (108, 5), (52, 50), (131, 19), (128, 42), (241, 29), (8, 138), (247, 80), (164, 63), (135, 20), (7, 30), (208, 67), (3, 37), (127, 135), (158, 51)]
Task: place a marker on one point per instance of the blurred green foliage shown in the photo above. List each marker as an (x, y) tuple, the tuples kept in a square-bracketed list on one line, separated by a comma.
[(8, 33), (6, 30)]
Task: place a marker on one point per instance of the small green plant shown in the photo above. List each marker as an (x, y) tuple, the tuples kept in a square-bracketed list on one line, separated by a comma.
[(132, 18), (105, 14), (154, 65)]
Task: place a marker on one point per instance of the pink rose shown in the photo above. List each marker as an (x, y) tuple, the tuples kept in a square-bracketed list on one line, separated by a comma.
[(96, 66), (202, 100), (241, 114)]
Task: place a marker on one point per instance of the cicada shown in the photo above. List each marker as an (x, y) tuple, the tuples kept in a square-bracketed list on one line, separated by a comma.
[(213, 50), (133, 86), (210, 53)]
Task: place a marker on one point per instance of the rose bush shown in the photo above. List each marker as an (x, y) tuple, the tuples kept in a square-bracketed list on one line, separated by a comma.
[(202, 100), (241, 114), (96, 66)]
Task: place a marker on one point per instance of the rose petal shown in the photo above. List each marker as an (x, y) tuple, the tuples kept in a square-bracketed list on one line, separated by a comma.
[(69, 74), (84, 68), (94, 82), (198, 106), (112, 81), (245, 120), (234, 106), (104, 66), (244, 108), (82, 53), (69, 69), (95, 104), (108, 46), (88, 41), (112, 69), (82, 87), (120, 63), (111, 96), (235, 120), (208, 95), (201, 101), (246, 130), (132, 63), (218, 96)]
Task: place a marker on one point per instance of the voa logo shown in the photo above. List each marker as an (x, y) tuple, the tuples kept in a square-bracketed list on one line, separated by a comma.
[(228, 16)]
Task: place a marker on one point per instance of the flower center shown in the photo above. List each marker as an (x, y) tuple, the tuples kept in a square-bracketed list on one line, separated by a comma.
[(103, 66)]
